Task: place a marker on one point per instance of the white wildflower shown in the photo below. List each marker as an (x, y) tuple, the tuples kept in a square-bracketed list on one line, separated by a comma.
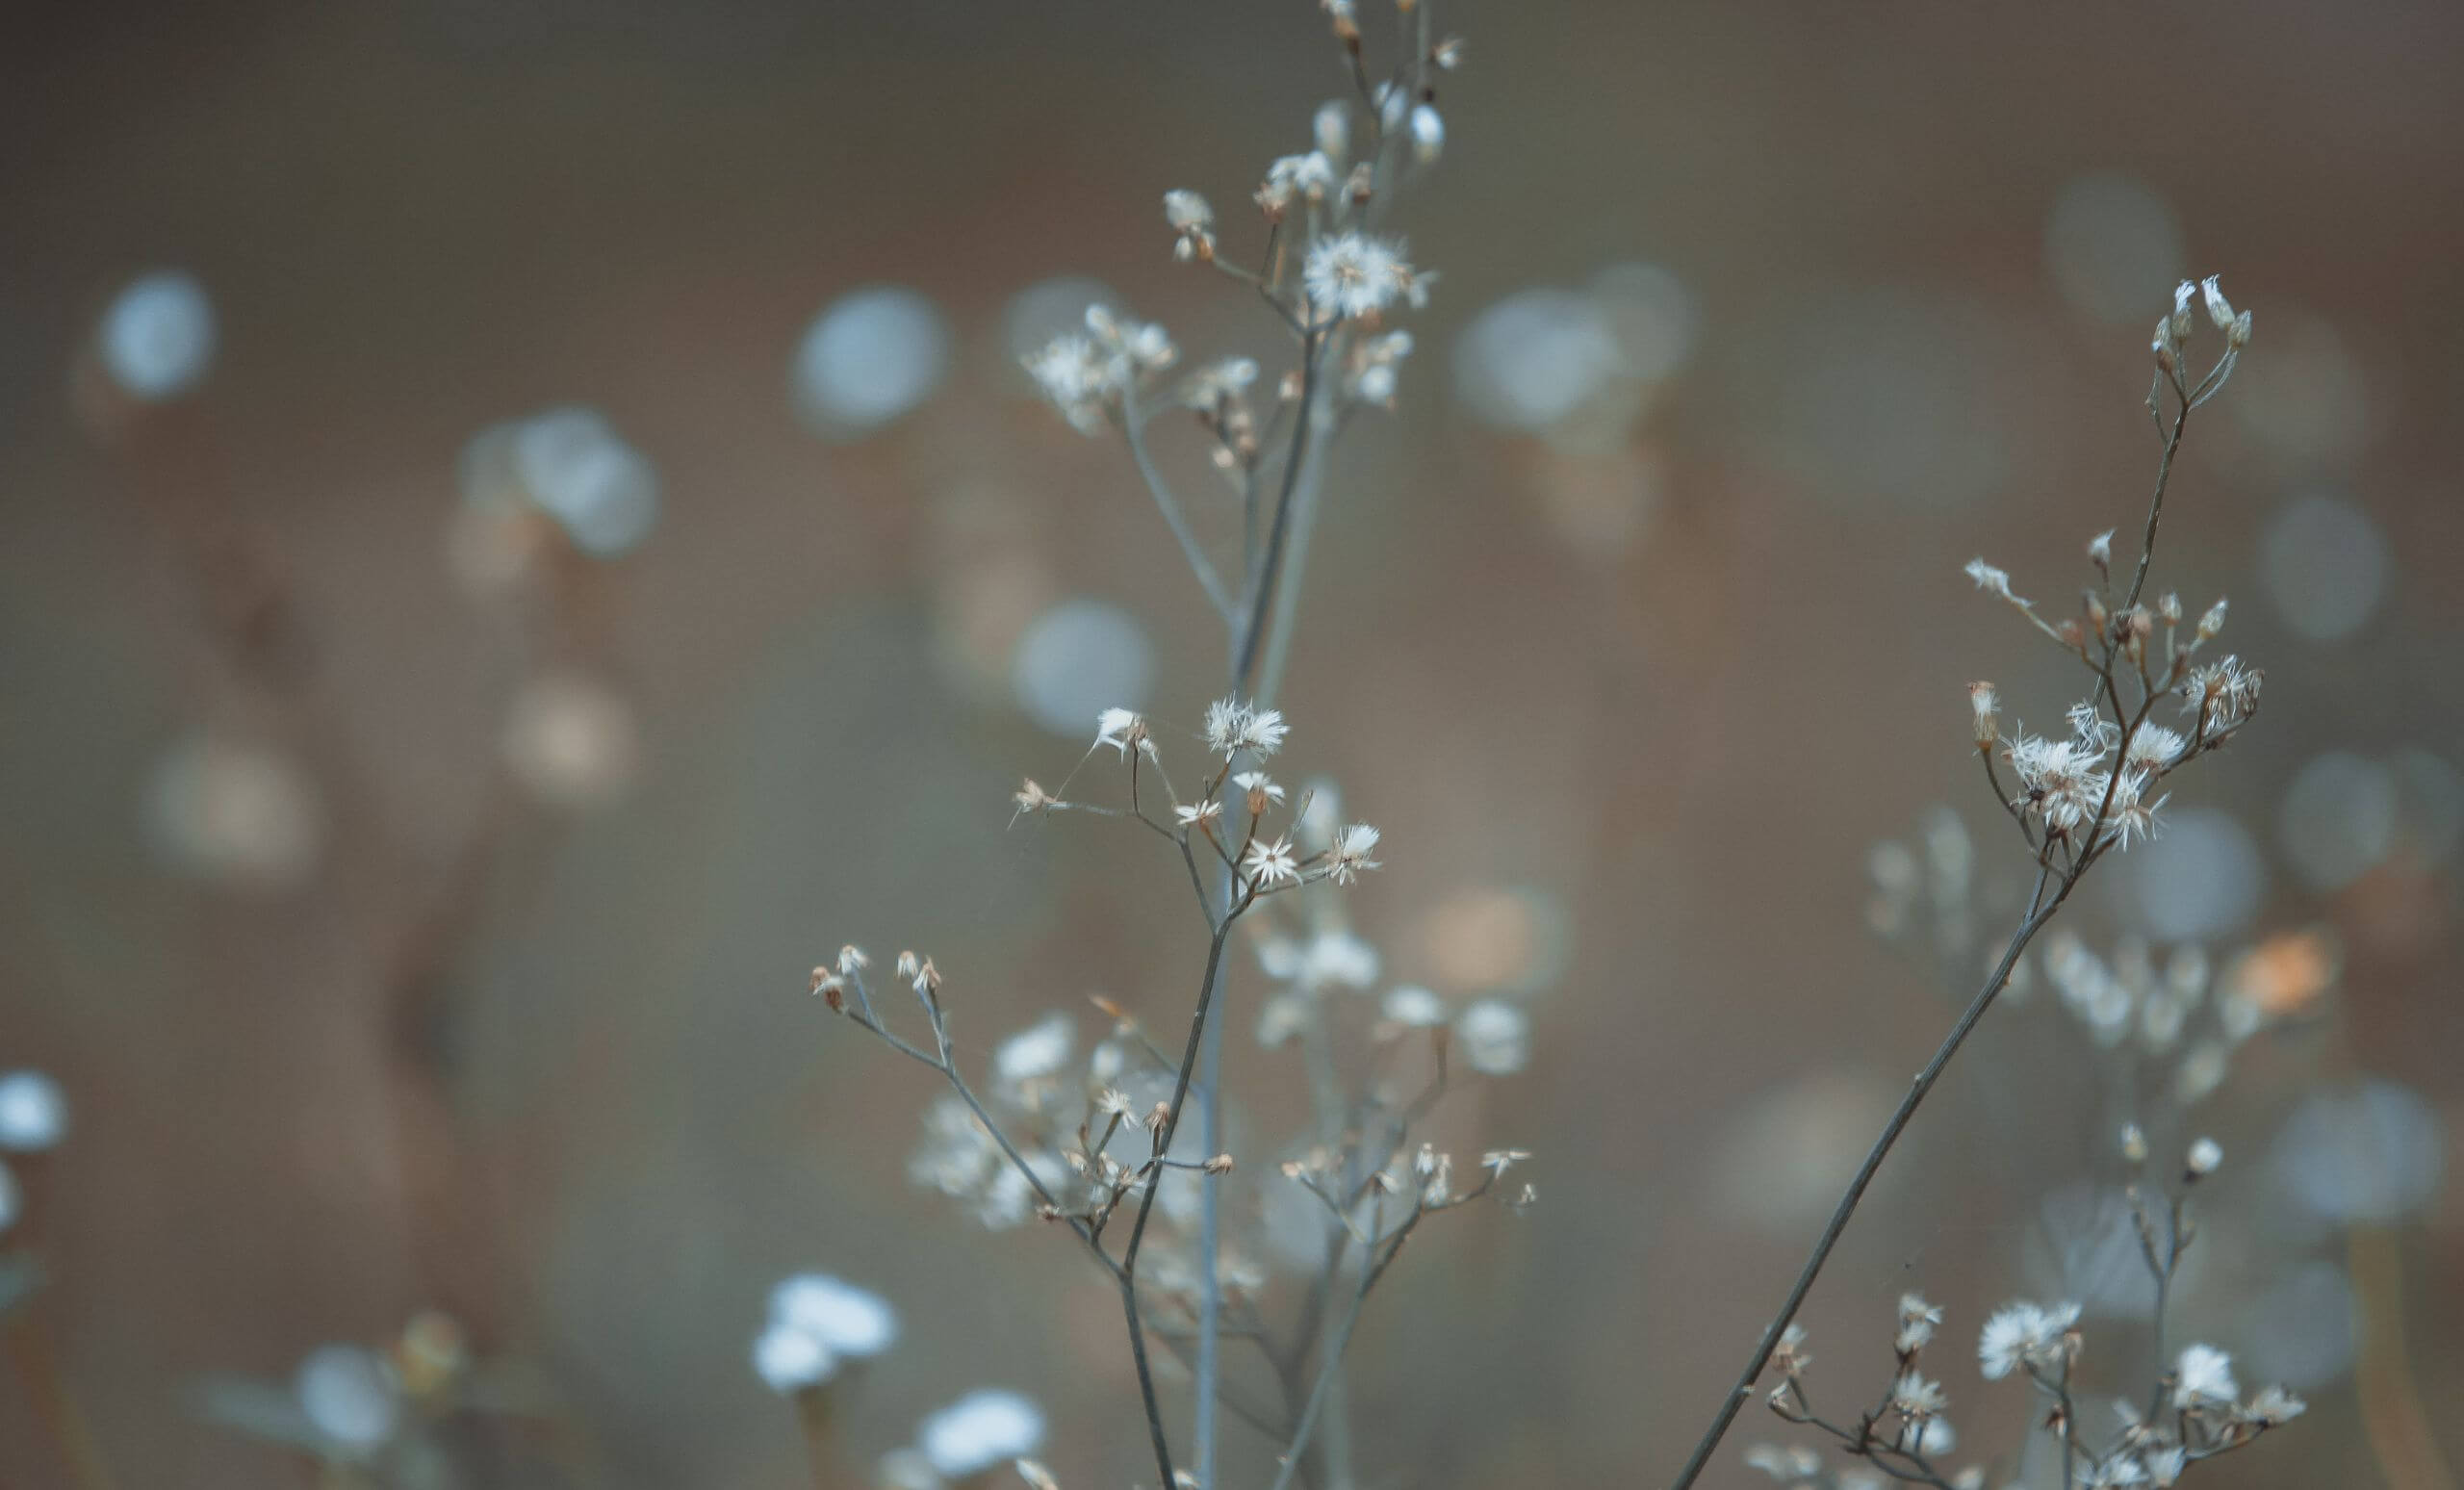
[(1351, 855), (1037, 1052), (1120, 728), (2153, 746), (2203, 1378), (1197, 815), (1077, 378), (2204, 1156), (980, 1430), (1258, 783), (1915, 1396), (1917, 1321), (1271, 863), (1495, 1037), (2022, 1333), (1412, 1006), (1353, 275), (789, 1359), (1296, 178), (1233, 727), (1428, 134)]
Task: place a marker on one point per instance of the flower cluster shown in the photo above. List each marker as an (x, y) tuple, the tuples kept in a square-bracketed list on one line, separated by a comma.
[(1087, 374), (817, 1325), (2193, 1411)]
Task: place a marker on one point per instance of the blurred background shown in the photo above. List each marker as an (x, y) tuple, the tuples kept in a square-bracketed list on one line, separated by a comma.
[(522, 531)]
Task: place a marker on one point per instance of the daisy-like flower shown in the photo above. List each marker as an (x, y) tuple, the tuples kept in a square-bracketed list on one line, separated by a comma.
[(1917, 1321), (1258, 783), (1353, 275), (2022, 1333), (1193, 221), (1120, 728), (1233, 727), (1915, 1396), (2203, 1378), (1197, 815), (2153, 746), (1351, 854), (1076, 377), (1273, 863), (2130, 815), (1295, 178), (2060, 781)]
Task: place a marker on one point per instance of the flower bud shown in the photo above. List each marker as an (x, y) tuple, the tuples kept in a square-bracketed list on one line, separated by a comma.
[(2212, 623), (2219, 309), (1981, 704), (2204, 1156), (1428, 134), (2134, 1143), (2240, 336)]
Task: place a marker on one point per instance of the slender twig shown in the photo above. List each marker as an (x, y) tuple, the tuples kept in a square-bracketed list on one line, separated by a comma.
[(1134, 425), (2040, 912)]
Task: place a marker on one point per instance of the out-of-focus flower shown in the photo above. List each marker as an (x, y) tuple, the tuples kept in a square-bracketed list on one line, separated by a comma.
[(34, 1115), (980, 1430), (1495, 1037)]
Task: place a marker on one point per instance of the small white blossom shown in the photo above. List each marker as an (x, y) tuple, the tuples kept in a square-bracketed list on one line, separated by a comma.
[(1428, 134), (1120, 728), (1351, 855), (2101, 549), (1915, 1396), (1917, 1321), (1296, 178), (1495, 1037), (2204, 1156), (1353, 275), (980, 1430), (1271, 863), (2153, 746), (789, 1359), (1258, 783), (1233, 727), (1196, 814), (1411, 1005), (2203, 1378), (1037, 1052), (2022, 1333)]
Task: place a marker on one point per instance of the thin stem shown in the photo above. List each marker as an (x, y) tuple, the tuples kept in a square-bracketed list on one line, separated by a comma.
[(1252, 631), (2040, 912), (1134, 424)]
